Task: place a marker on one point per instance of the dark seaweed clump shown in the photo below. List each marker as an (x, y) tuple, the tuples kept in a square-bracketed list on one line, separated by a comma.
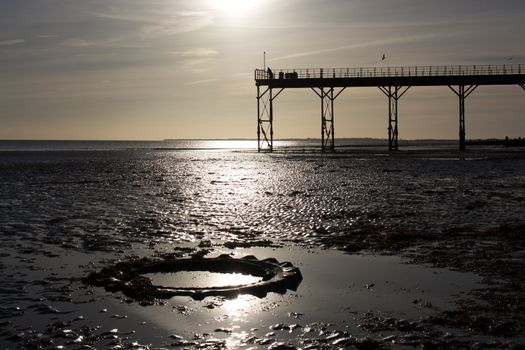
[(123, 277)]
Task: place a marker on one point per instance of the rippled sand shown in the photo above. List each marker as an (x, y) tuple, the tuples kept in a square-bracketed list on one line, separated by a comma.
[(63, 214)]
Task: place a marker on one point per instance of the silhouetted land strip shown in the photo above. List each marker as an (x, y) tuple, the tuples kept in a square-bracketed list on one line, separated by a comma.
[(507, 142)]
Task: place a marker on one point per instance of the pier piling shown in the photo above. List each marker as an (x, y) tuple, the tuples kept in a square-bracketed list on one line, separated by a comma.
[(394, 82), (462, 93)]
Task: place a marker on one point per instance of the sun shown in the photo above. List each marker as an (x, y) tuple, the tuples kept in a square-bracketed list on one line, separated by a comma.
[(235, 8)]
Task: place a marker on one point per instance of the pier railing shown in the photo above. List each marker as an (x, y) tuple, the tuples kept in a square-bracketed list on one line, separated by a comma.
[(377, 72)]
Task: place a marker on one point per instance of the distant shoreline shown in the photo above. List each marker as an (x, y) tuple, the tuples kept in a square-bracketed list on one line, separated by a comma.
[(472, 141), (231, 144), (226, 139)]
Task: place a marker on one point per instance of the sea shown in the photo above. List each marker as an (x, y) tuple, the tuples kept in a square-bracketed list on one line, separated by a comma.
[(69, 206), (43, 145)]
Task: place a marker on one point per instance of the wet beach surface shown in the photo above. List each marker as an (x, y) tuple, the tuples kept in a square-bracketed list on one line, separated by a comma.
[(418, 248)]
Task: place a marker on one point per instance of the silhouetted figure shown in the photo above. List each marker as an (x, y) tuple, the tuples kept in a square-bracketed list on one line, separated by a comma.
[(383, 58), (270, 73)]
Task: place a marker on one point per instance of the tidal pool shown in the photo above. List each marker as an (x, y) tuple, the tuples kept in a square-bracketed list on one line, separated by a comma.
[(200, 279), (338, 292)]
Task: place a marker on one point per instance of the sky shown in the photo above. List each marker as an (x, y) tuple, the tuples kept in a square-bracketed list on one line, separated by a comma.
[(167, 69)]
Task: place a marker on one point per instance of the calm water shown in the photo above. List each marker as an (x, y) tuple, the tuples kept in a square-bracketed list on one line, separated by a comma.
[(14, 145), (63, 205)]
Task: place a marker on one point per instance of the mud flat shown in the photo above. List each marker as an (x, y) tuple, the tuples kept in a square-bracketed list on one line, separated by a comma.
[(419, 249), (355, 300)]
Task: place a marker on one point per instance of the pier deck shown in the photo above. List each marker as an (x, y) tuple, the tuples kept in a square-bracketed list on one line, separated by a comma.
[(394, 82)]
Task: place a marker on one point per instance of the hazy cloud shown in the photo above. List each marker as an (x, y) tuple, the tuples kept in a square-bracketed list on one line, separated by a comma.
[(197, 56), (197, 53), (192, 14), (201, 82), (157, 24), (77, 43), (11, 42), (372, 43), (174, 26)]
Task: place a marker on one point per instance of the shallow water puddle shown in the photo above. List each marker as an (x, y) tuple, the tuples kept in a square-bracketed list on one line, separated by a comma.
[(335, 283), (200, 279), (336, 289)]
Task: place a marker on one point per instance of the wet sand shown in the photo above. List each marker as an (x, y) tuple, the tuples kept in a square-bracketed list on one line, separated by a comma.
[(421, 248)]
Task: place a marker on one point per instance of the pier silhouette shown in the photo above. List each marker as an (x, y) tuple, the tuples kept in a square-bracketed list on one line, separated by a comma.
[(394, 82)]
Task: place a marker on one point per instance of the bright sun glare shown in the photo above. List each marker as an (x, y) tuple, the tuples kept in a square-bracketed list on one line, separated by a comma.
[(235, 8)]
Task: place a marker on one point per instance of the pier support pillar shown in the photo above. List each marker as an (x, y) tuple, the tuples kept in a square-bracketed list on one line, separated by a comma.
[(265, 118), (394, 93), (462, 92), (327, 117)]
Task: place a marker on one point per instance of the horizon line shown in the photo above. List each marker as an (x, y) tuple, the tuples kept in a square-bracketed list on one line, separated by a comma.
[(228, 139)]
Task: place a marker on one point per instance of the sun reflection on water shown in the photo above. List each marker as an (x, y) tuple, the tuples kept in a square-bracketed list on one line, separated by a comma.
[(201, 279), (236, 340), (238, 309)]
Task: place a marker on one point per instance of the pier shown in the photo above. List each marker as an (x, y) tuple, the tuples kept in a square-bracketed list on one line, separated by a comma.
[(394, 82)]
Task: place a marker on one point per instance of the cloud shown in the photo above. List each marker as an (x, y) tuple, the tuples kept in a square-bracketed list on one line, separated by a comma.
[(11, 42), (177, 24), (198, 56), (153, 24), (77, 43), (192, 14), (197, 53), (200, 82), (372, 43)]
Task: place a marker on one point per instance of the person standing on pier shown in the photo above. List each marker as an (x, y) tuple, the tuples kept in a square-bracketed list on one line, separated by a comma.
[(270, 73)]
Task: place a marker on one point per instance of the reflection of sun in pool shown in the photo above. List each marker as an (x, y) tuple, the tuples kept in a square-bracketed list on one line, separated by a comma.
[(200, 279), (237, 309)]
